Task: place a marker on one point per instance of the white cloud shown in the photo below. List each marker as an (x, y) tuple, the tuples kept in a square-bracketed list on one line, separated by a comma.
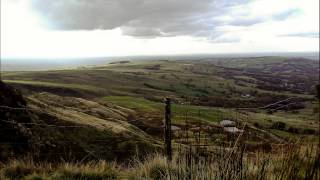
[(138, 27)]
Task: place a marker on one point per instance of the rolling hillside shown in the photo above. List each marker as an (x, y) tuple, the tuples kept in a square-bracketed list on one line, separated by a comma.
[(54, 127), (115, 112), (213, 87)]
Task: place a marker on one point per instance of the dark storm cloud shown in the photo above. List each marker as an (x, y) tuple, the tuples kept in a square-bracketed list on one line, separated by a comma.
[(108, 14), (143, 18), (135, 17)]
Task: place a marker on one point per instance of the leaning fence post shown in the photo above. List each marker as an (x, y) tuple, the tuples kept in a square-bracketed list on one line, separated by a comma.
[(167, 129)]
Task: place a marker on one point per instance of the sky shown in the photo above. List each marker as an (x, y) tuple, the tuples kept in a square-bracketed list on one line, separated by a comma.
[(101, 28)]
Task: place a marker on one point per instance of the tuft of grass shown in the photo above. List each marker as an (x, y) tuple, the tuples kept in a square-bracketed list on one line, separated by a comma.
[(29, 170), (153, 167), (97, 171), (296, 161), (21, 169)]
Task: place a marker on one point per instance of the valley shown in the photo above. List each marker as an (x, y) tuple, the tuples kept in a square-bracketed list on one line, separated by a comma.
[(115, 111)]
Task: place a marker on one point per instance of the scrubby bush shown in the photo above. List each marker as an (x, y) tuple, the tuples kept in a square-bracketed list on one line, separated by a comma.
[(293, 130), (257, 125), (279, 125), (17, 172), (30, 171), (309, 131)]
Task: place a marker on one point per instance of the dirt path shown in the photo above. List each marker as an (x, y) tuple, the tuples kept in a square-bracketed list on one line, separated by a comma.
[(276, 138)]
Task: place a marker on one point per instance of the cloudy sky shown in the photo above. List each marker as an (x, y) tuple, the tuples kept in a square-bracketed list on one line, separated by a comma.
[(97, 28)]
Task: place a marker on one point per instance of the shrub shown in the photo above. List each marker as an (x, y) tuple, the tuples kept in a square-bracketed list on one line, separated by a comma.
[(293, 130), (309, 131), (257, 125), (17, 170), (153, 67), (30, 171), (279, 125), (37, 177), (100, 170)]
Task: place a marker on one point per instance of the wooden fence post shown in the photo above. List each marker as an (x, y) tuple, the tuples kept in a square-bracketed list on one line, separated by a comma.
[(167, 129)]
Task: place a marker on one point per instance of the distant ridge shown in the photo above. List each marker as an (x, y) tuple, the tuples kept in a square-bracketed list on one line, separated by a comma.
[(29, 64)]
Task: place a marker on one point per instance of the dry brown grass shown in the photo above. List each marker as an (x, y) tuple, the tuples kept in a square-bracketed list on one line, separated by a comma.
[(292, 162)]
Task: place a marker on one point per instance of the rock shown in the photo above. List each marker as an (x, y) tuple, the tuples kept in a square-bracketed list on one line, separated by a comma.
[(175, 128), (232, 130), (227, 123)]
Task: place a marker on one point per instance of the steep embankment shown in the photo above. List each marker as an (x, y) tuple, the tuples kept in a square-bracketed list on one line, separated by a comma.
[(69, 128), (14, 137)]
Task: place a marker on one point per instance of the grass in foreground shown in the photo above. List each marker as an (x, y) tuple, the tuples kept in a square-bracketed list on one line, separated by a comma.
[(292, 162)]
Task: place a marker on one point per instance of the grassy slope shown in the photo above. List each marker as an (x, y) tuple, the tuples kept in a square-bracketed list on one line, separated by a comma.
[(175, 78), (178, 111), (99, 129), (298, 162), (138, 81), (210, 115), (56, 85)]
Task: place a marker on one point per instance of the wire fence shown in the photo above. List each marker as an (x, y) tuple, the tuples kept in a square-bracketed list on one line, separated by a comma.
[(192, 134)]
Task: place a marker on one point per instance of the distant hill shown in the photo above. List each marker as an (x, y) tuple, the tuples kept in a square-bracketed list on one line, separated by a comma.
[(27, 64), (243, 79), (115, 110)]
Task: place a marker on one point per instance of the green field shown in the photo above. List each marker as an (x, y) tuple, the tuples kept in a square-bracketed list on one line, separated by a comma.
[(190, 78), (115, 112), (202, 92)]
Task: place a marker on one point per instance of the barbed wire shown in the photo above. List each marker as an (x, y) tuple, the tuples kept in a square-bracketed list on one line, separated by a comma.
[(187, 105), (37, 143), (40, 110), (184, 113), (141, 138), (269, 105), (46, 125)]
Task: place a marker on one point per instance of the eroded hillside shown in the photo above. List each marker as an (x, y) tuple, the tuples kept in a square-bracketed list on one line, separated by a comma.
[(119, 106), (53, 127)]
